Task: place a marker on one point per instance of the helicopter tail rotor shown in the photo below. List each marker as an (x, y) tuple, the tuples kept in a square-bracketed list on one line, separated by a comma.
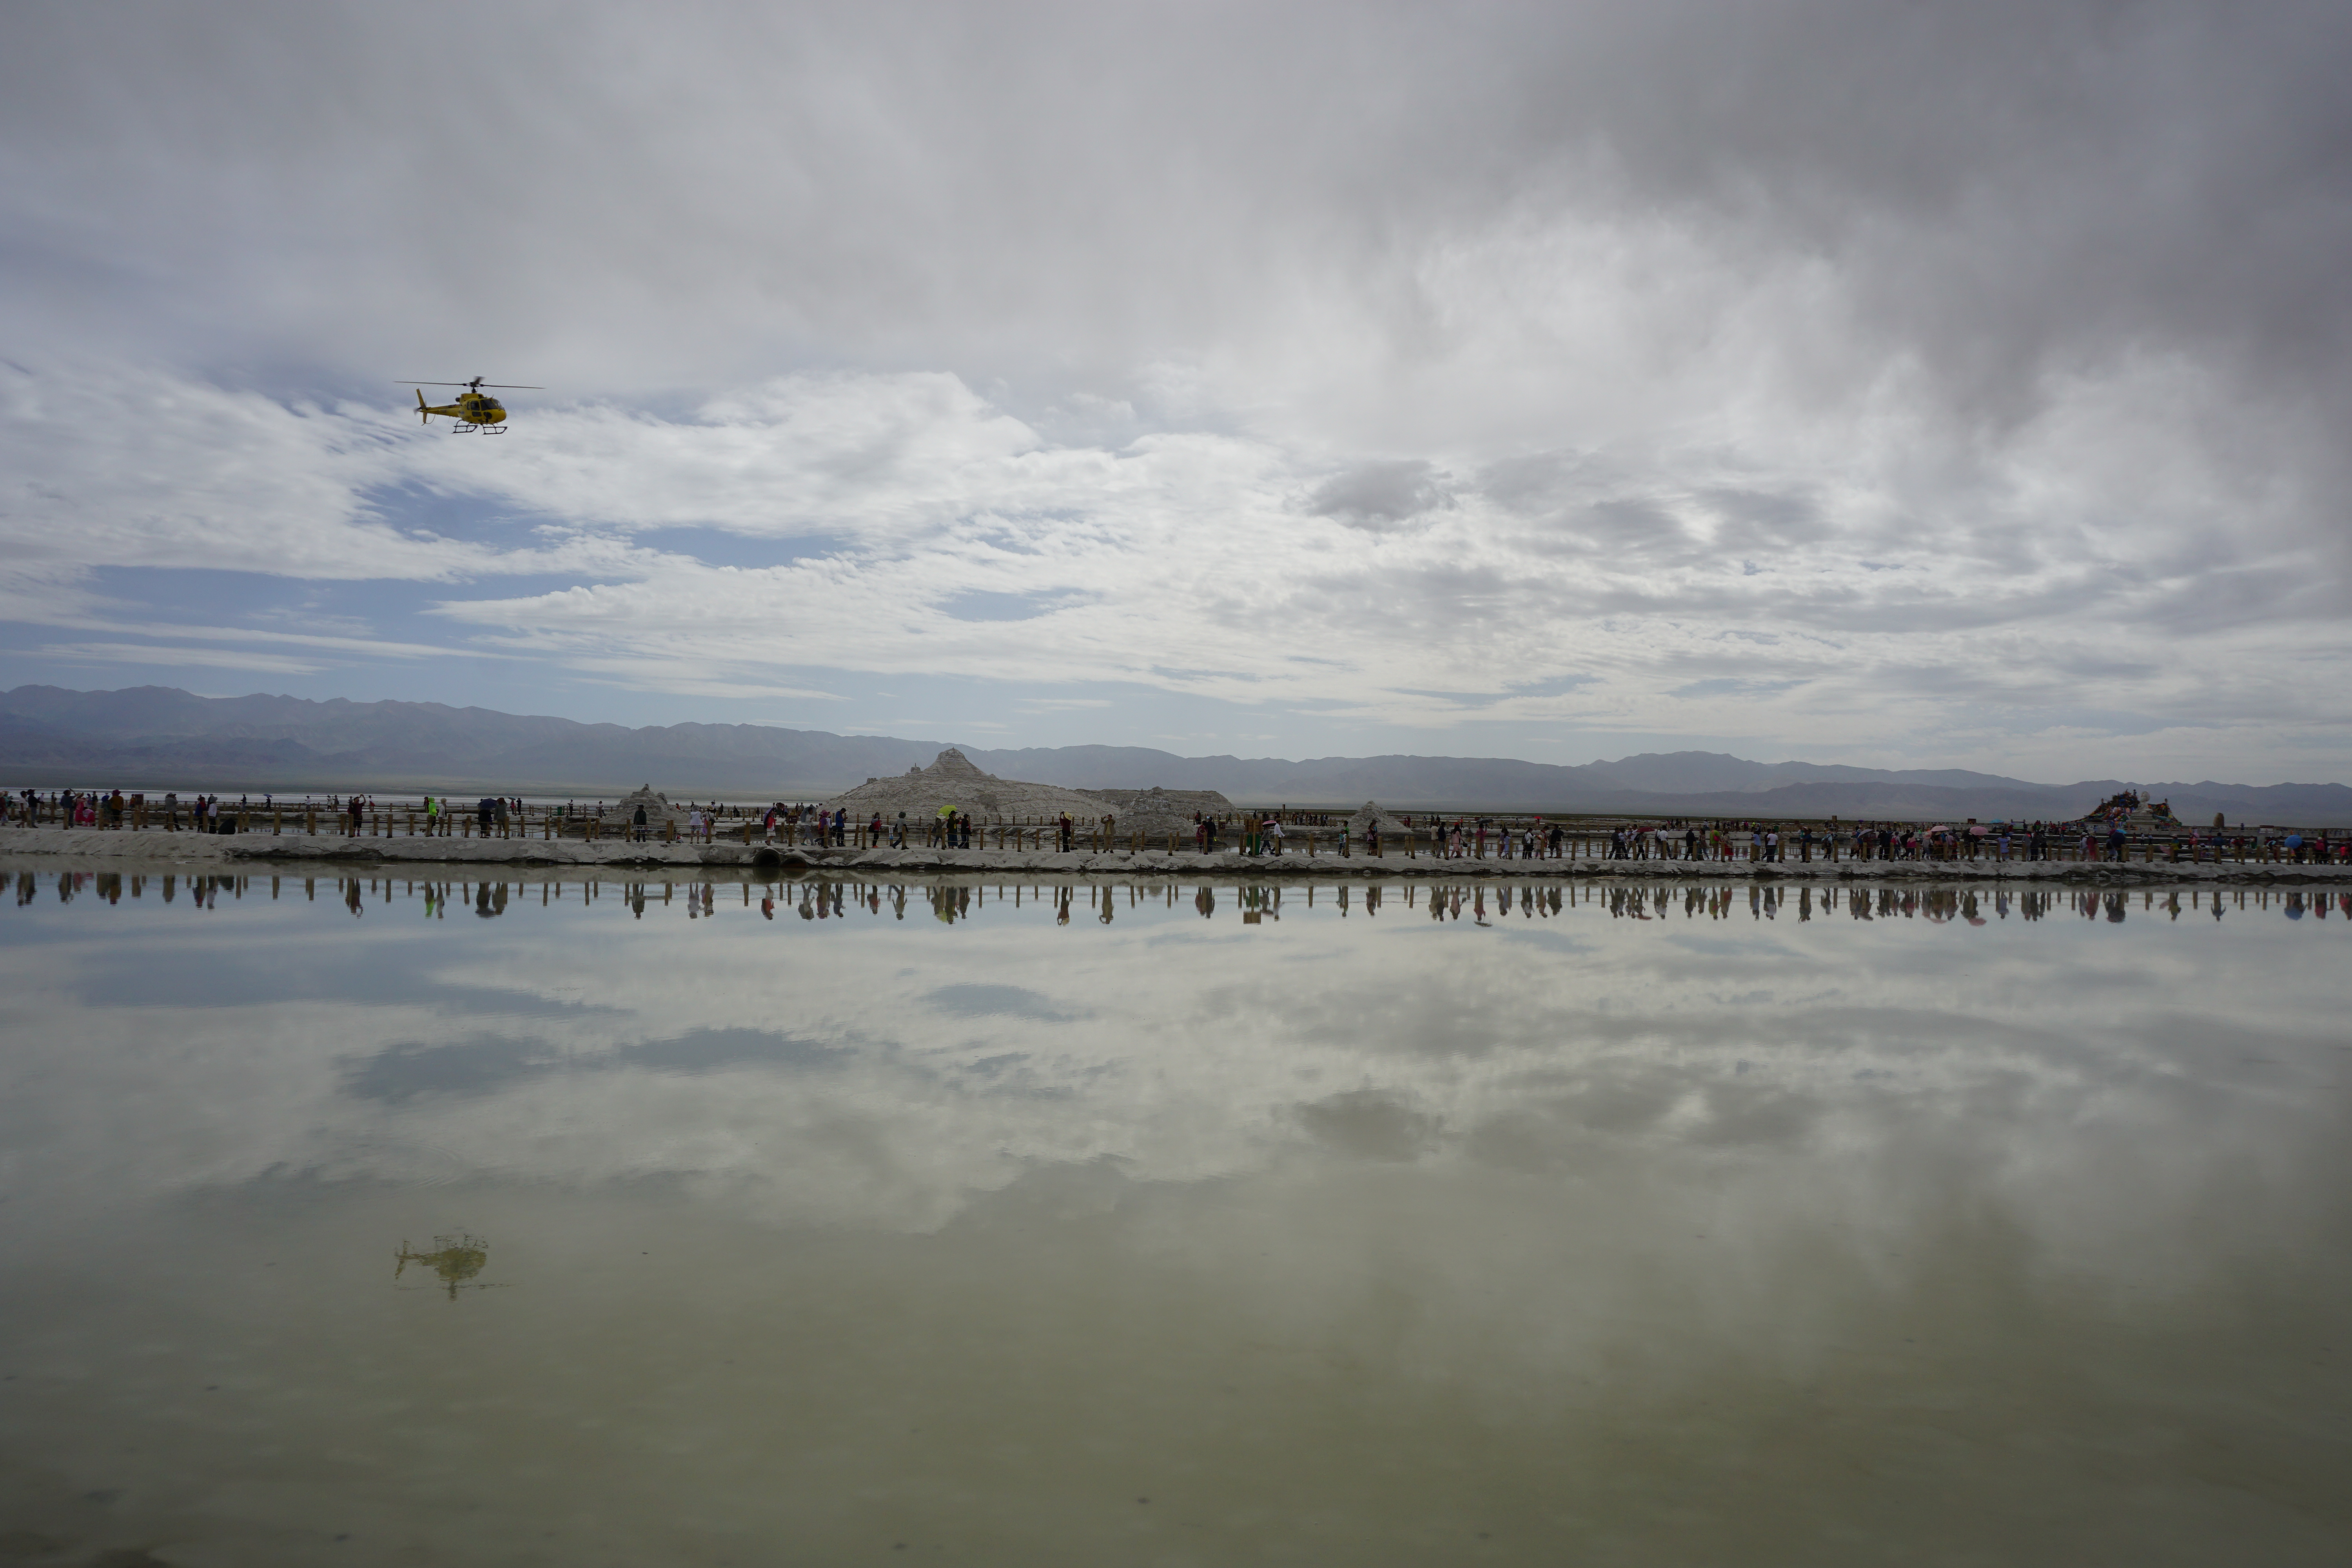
[(422, 416)]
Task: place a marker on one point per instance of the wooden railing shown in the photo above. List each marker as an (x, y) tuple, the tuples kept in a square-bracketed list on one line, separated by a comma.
[(1555, 842)]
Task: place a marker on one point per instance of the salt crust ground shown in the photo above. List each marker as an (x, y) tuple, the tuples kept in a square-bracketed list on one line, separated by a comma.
[(165, 851)]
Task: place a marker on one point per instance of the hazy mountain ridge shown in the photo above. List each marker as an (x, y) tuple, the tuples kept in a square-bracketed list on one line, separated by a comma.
[(162, 737)]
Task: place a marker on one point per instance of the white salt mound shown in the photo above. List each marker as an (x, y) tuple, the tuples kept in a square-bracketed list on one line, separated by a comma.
[(953, 780)]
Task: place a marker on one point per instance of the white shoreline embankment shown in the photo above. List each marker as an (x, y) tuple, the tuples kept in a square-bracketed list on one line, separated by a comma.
[(91, 847)]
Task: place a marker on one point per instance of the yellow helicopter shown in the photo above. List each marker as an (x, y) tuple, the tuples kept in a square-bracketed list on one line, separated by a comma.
[(475, 408)]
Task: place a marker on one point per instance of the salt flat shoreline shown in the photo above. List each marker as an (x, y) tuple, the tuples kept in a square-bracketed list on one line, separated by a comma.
[(89, 847)]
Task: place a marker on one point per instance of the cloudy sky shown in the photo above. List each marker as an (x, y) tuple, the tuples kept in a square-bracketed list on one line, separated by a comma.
[(1895, 384)]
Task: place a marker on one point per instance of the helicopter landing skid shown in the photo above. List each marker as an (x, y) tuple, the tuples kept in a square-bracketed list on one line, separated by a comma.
[(462, 428)]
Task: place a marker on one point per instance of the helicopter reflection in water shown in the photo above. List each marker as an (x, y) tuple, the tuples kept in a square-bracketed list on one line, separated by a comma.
[(455, 1258)]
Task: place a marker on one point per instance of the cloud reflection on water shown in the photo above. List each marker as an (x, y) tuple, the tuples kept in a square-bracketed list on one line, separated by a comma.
[(486, 1064), (1386, 1221), (730, 1050)]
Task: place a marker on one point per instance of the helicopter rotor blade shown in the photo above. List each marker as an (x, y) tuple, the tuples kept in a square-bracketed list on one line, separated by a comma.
[(499, 385)]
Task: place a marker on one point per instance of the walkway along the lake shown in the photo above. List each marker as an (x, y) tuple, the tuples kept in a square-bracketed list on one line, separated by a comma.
[(189, 848)]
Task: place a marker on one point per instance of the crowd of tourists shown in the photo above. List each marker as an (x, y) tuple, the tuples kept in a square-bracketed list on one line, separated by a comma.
[(815, 826), (111, 809), (2106, 835), (1888, 841)]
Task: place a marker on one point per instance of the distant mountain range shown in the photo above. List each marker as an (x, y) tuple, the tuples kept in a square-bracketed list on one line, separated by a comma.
[(158, 737)]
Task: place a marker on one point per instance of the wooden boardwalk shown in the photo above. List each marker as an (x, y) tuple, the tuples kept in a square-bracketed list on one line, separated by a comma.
[(161, 849)]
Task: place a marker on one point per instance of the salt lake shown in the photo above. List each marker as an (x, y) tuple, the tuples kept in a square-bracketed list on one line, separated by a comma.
[(368, 1219)]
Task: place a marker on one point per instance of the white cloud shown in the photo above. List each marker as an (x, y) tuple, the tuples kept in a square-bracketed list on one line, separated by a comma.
[(1779, 588), (1775, 581), (1513, 372), (169, 656)]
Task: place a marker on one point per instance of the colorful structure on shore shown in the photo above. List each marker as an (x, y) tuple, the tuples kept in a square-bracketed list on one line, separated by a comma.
[(2135, 812)]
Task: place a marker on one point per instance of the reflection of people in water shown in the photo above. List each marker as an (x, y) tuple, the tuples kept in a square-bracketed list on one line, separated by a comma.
[(352, 897), (1205, 901), (455, 1258)]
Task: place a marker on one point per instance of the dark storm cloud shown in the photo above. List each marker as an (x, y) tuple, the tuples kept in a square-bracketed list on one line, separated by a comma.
[(1381, 495), (2004, 190)]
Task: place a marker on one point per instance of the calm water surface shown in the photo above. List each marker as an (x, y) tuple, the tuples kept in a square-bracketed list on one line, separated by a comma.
[(828, 1223)]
